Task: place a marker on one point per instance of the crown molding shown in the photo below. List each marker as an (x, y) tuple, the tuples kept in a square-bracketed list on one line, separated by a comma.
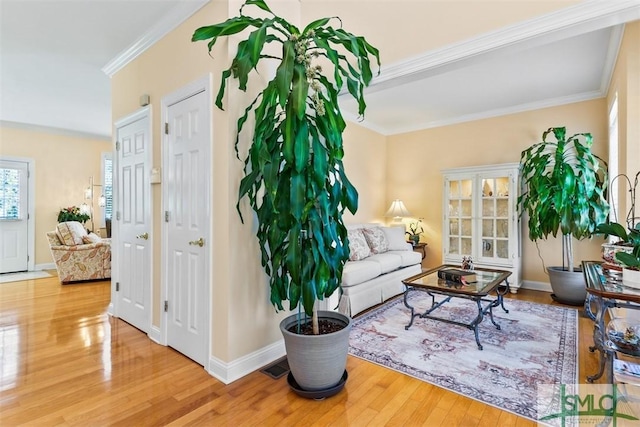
[(176, 16), (584, 17), (498, 112), (53, 130)]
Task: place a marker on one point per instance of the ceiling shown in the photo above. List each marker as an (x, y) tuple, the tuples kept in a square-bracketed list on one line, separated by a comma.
[(55, 57)]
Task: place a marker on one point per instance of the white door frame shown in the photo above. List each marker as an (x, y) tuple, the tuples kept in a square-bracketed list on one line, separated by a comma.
[(115, 223), (203, 84), (31, 211)]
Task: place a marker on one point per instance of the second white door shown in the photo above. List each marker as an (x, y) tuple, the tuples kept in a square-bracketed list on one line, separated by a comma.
[(187, 217)]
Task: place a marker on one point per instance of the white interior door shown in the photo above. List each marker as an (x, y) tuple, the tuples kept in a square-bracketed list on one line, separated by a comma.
[(132, 232), (14, 215), (187, 217)]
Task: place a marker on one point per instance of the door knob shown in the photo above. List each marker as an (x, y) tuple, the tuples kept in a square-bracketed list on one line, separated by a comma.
[(144, 236), (199, 242)]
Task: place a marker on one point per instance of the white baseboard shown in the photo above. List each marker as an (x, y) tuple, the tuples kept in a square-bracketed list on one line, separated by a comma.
[(155, 335), (536, 286), (48, 266), (236, 369)]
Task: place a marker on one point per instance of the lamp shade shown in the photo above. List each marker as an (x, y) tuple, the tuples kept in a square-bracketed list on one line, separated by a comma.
[(397, 209)]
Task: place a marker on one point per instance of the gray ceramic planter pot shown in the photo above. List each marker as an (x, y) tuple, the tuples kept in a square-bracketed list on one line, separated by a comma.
[(568, 287), (317, 362)]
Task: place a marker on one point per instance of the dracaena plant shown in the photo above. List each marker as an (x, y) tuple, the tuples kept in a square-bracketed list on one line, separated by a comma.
[(294, 175), (564, 187)]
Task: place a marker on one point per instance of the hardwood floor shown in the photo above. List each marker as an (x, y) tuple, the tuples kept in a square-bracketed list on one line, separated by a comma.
[(65, 362)]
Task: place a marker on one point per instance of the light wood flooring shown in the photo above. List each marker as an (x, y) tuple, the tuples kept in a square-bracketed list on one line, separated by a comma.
[(65, 362)]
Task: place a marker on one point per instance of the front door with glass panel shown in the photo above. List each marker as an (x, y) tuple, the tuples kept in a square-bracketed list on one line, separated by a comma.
[(14, 247)]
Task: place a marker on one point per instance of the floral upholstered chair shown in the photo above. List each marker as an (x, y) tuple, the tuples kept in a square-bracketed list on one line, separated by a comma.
[(79, 255)]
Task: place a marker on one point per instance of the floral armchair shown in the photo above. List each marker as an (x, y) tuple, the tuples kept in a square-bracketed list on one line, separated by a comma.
[(79, 255)]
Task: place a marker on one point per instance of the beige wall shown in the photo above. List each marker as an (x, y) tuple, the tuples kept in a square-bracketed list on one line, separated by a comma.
[(365, 164), (63, 165), (415, 160), (625, 83)]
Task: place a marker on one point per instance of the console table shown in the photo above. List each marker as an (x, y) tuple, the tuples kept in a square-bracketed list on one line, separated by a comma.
[(488, 280), (605, 290)]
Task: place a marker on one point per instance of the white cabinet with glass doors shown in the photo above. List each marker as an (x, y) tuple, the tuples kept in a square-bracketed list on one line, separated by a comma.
[(480, 218)]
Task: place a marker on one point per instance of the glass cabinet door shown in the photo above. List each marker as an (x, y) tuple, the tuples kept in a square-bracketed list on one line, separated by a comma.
[(495, 218), (480, 218), (460, 216)]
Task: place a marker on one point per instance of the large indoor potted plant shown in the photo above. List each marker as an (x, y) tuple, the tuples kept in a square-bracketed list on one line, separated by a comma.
[(294, 175), (563, 191)]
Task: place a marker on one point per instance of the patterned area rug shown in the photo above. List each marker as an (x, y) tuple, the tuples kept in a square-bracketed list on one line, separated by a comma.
[(536, 345)]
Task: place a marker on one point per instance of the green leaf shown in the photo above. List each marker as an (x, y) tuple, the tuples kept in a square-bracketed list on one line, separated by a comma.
[(299, 91), (297, 197), (260, 3), (229, 27), (317, 23), (284, 74), (301, 151), (225, 75)]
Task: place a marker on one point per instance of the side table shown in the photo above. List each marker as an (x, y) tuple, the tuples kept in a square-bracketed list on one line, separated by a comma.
[(605, 292), (421, 247)]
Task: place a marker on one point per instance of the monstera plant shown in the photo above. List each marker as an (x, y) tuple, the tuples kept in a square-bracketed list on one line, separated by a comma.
[(564, 192), (294, 175)]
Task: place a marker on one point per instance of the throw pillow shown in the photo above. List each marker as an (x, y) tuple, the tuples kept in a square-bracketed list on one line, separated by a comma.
[(71, 233), (91, 238), (358, 248), (376, 239), (395, 237)]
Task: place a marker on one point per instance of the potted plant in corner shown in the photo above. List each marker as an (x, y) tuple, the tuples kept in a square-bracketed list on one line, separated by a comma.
[(563, 190), (294, 175)]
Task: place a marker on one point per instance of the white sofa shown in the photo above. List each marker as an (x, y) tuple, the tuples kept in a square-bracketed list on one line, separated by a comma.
[(380, 259)]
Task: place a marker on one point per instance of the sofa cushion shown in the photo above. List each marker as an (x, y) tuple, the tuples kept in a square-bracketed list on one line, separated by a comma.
[(91, 238), (357, 272), (376, 239), (388, 261), (395, 238), (358, 248), (407, 257), (71, 233)]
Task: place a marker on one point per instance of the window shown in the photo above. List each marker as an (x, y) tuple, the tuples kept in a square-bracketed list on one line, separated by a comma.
[(9, 194), (614, 168), (107, 184)]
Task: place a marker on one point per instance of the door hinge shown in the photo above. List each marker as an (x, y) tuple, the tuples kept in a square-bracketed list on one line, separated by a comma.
[(117, 145), (166, 128), (117, 286), (118, 216), (166, 216), (166, 305)]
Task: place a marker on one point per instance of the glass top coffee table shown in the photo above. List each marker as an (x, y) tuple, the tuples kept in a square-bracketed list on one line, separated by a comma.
[(487, 281)]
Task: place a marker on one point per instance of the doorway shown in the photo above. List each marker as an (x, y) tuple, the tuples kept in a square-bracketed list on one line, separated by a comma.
[(132, 229), (187, 218), (17, 239)]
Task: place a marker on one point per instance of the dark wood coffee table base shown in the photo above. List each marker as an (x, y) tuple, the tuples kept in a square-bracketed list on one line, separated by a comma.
[(482, 311), (489, 281)]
